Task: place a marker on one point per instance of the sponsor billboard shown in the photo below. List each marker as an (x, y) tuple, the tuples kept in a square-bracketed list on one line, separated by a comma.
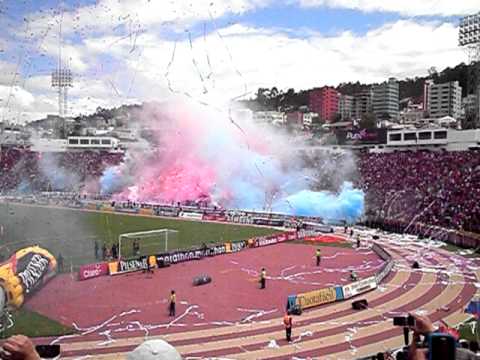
[(92, 271), (316, 297), (191, 215), (380, 251), (382, 274), (362, 136), (359, 287)]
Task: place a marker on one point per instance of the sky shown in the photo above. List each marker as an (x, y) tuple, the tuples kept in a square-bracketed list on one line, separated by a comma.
[(213, 51)]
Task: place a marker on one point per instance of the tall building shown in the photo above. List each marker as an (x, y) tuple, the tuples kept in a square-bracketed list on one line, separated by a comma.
[(426, 93), (362, 103), (345, 106), (324, 102), (386, 98), (445, 100)]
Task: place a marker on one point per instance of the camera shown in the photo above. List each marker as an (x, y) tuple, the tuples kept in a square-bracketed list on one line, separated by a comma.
[(48, 351), (404, 321)]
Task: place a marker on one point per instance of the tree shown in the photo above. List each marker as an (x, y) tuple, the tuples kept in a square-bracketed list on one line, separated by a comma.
[(368, 121)]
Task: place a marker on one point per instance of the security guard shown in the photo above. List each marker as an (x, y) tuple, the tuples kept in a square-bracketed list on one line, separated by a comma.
[(287, 321), (318, 255), (173, 300), (263, 278)]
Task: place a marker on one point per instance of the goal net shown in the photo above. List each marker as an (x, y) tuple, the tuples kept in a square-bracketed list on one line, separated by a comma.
[(144, 243)]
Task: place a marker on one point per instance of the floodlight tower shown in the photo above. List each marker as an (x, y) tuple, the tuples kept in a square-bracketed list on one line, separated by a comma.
[(469, 39), (62, 77)]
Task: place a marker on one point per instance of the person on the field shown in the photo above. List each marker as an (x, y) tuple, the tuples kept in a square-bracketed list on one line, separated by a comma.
[(353, 275), (358, 241), (318, 255), (288, 322), (114, 251), (96, 250), (351, 232), (104, 252), (173, 300), (263, 278), (60, 262)]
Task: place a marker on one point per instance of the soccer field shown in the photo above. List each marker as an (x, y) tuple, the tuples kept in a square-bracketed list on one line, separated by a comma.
[(73, 233)]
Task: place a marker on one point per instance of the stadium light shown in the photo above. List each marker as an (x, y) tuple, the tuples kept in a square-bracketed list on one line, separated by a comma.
[(469, 32), (62, 79)]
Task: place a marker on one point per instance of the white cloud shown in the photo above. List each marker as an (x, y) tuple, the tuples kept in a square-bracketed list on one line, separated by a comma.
[(221, 65), (405, 7)]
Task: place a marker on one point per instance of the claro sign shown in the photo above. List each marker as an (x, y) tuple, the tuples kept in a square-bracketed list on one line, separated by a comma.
[(92, 271)]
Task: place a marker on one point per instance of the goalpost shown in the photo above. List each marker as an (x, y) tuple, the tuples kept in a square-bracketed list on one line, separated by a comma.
[(143, 243)]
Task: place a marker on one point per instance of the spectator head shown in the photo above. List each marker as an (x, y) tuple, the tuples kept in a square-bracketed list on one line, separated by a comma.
[(154, 350)]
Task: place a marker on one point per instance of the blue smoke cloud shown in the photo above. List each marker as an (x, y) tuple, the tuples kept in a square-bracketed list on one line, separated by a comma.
[(347, 205), (111, 181)]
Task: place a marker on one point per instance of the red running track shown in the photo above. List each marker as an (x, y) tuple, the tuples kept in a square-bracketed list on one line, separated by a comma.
[(290, 269)]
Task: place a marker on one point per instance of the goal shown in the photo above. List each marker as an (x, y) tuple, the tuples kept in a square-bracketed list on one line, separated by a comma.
[(144, 243)]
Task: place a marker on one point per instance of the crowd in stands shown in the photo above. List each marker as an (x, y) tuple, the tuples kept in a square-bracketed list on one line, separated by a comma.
[(25, 170), (434, 188)]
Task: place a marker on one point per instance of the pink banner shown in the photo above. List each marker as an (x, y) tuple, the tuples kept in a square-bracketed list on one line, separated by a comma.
[(92, 270)]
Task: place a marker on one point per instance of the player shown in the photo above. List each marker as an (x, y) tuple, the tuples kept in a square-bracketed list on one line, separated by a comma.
[(263, 278), (173, 301), (318, 255), (358, 241), (287, 321)]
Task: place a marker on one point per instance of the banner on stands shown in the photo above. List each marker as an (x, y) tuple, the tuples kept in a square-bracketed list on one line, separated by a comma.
[(380, 251), (316, 297), (191, 215), (126, 210), (91, 271), (146, 212), (214, 217), (107, 208), (359, 287), (268, 222), (382, 274), (169, 213)]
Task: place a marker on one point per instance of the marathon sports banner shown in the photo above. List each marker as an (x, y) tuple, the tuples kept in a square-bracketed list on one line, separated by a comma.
[(384, 255), (91, 271), (316, 298), (382, 274), (359, 287), (191, 215), (179, 256)]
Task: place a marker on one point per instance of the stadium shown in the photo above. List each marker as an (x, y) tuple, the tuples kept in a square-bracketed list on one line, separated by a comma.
[(405, 251), (199, 196)]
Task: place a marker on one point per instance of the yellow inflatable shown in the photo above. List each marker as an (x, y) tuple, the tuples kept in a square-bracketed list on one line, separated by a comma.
[(26, 271)]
